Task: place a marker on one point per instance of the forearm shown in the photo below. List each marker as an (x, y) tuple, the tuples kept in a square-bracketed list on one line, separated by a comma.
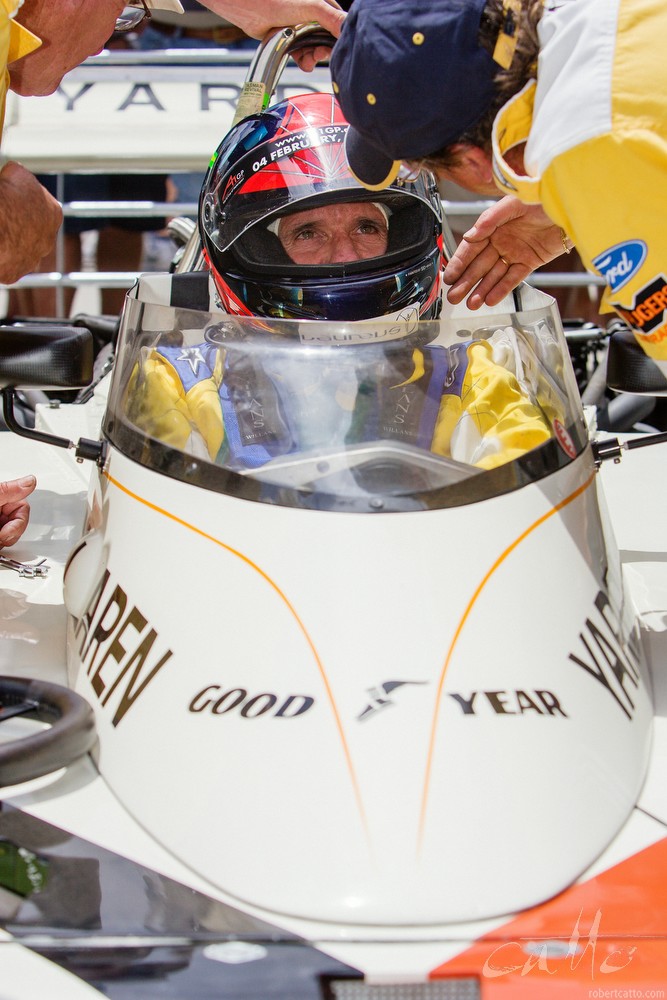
[(257, 17), (29, 221)]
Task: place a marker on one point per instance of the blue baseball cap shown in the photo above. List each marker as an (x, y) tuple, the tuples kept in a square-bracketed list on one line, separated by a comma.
[(411, 77)]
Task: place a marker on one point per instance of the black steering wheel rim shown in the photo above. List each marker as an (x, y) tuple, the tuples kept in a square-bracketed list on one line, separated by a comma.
[(70, 735)]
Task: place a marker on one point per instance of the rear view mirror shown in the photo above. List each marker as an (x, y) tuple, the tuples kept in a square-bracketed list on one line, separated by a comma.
[(45, 356)]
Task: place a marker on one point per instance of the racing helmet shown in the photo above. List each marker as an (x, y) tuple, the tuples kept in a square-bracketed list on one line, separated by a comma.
[(289, 158)]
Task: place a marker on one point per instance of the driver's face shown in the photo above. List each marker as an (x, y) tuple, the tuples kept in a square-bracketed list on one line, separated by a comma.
[(334, 234)]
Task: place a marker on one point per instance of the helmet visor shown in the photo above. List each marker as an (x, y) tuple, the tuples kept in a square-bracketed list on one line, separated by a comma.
[(277, 176)]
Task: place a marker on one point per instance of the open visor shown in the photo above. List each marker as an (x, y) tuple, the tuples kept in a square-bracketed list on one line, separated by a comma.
[(282, 176)]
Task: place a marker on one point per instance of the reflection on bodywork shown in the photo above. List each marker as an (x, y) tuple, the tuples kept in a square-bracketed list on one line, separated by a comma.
[(130, 931)]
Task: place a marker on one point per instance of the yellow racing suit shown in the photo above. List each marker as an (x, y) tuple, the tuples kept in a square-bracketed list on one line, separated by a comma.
[(457, 402), (595, 128)]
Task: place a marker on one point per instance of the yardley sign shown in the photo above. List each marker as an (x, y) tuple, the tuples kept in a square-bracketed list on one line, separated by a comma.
[(134, 117)]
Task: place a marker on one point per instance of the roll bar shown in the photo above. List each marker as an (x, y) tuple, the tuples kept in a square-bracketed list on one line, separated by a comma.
[(261, 81)]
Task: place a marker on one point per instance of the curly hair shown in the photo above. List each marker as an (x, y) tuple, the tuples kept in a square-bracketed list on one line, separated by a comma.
[(507, 82)]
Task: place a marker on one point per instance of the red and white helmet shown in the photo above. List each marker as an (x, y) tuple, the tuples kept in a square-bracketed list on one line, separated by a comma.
[(292, 157)]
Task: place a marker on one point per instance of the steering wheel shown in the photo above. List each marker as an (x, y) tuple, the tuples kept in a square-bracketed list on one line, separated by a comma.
[(70, 735)]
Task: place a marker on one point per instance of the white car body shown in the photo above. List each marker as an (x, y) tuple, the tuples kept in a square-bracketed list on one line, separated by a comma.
[(414, 750)]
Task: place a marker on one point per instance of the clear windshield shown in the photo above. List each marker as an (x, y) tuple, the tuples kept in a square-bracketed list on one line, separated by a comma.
[(357, 412)]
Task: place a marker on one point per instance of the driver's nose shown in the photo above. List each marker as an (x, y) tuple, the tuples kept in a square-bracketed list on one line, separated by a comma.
[(342, 249)]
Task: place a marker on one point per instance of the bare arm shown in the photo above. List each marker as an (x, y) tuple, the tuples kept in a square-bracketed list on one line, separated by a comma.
[(29, 220), (507, 243), (72, 30), (14, 508), (257, 17)]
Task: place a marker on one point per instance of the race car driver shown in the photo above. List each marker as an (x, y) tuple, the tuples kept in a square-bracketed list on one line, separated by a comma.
[(289, 233)]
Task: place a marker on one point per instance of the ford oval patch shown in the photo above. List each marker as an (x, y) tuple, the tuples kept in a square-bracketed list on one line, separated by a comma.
[(619, 263)]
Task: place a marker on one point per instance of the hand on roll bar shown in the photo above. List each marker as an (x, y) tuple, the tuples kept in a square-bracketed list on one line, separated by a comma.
[(258, 17)]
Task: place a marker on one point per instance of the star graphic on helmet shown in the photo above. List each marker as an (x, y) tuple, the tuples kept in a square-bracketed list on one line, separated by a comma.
[(193, 356)]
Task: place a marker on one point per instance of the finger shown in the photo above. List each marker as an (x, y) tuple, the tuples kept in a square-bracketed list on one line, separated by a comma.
[(466, 253), (479, 267), (458, 291), (483, 285), (331, 17), (307, 59), (479, 232), (497, 284), (321, 54), (487, 224), (11, 531), (493, 218), (459, 263), (12, 170), (13, 490)]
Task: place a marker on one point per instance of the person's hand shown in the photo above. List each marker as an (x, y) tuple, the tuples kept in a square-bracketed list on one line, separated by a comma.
[(29, 220), (14, 508), (307, 59), (507, 243), (257, 17)]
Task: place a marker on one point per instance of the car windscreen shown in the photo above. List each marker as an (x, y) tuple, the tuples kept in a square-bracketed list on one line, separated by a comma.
[(370, 416)]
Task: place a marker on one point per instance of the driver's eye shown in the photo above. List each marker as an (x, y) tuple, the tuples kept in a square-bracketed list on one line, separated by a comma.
[(370, 227)]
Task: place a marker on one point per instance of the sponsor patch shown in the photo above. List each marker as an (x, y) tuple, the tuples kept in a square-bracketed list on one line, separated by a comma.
[(564, 439), (657, 336), (621, 262), (648, 309), (232, 184)]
